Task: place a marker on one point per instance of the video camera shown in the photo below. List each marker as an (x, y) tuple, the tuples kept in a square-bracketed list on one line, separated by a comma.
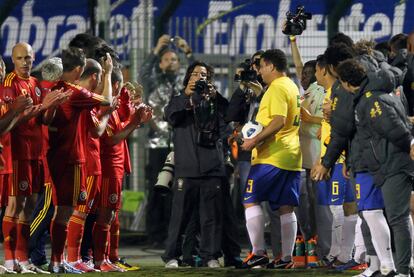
[(248, 74), (296, 23)]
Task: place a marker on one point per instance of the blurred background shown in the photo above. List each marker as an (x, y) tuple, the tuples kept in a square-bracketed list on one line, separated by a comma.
[(221, 33)]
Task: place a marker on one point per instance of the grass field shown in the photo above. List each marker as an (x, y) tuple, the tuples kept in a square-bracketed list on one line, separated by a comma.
[(158, 271)]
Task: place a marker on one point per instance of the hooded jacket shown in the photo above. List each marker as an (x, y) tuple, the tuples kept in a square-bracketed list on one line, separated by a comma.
[(383, 130)]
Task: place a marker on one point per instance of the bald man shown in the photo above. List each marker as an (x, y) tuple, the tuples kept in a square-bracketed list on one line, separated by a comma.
[(28, 158)]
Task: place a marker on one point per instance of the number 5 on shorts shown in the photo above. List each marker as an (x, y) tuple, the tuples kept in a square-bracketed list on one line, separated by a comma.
[(249, 187)]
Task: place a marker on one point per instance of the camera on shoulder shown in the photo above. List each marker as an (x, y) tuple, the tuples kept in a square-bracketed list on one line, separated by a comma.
[(296, 22)]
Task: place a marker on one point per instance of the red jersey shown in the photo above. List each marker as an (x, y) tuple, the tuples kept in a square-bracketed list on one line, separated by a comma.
[(6, 143), (26, 137), (93, 159), (67, 138), (113, 156), (46, 87)]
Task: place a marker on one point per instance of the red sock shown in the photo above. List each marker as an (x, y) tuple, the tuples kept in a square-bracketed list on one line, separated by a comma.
[(22, 245), (58, 233), (114, 240), (100, 241), (75, 232), (10, 237)]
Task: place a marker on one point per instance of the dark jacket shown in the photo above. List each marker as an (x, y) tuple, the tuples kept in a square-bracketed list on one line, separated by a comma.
[(385, 139), (191, 158), (343, 136)]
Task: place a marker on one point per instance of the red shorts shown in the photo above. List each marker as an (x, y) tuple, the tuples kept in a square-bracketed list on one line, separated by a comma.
[(5, 180), (93, 184), (110, 195), (28, 177), (69, 185)]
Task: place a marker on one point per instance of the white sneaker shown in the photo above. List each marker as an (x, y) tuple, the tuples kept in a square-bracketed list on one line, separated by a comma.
[(23, 269), (35, 269), (213, 264), (5, 270), (172, 264)]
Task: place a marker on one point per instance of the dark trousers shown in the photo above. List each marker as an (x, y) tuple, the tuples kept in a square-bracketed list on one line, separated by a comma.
[(87, 239), (40, 226), (396, 192), (204, 194), (158, 205), (230, 245), (231, 238)]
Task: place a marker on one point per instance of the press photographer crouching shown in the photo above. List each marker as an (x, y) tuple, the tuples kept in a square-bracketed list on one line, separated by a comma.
[(196, 116)]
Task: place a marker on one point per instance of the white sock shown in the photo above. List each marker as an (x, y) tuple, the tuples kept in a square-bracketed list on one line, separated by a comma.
[(336, 237), (381, 238), (374, 263), (25, 263), (348, 238), (412, 242), (9, 264), (255, 228), (289, 228), (360, 250)]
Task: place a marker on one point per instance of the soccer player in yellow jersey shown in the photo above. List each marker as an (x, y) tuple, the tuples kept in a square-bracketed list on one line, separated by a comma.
[(335, 192), (276, 161)]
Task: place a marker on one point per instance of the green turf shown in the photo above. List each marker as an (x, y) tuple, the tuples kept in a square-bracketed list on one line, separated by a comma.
[(158, 271)]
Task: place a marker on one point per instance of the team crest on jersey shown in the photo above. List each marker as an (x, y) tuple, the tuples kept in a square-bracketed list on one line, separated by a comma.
[(180, 183), (113, 198), (83, 195), (23, 185), (38, 92)]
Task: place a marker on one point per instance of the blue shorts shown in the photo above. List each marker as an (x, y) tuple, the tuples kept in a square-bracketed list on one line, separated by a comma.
[(369, 196), (277, 186), (335, 191)]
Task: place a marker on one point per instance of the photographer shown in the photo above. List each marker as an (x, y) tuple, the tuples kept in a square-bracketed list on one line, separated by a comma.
[(161, 80), (196, 116)]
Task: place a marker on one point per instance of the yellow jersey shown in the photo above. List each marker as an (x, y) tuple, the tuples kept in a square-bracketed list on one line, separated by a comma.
[(325, 126), (326, 129), (283, 149)]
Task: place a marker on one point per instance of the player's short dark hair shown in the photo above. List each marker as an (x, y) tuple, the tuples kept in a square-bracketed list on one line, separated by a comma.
[(341, 38), (351, 71), (91, 67), (116, 75), (337, 53), (399, 41), (383, 47), (72, 57), (276, 57), (310, 64), (321, 60)]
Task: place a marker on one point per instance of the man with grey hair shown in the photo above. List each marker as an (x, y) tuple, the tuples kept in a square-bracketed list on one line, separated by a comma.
[(51, 72), (52, 69)]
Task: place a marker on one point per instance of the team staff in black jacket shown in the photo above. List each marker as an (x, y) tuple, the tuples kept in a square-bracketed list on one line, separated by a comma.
[(388, 149), (196, 116)]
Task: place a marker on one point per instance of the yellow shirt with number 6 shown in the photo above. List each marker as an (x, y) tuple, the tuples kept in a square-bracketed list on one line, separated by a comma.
[(283, 149)]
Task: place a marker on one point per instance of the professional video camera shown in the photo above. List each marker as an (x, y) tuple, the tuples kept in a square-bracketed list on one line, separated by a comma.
[(248, 74), (296, 23), (166, 175)]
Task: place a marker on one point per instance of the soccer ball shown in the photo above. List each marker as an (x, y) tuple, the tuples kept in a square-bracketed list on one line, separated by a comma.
[(251, 129)]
